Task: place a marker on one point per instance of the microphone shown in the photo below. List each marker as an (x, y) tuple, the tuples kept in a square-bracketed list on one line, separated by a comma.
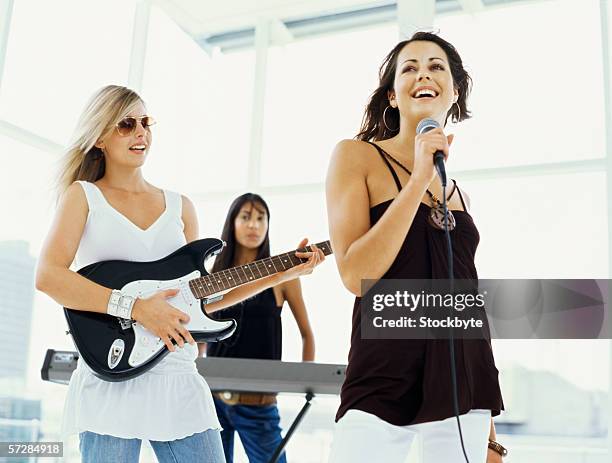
[(425, 126)]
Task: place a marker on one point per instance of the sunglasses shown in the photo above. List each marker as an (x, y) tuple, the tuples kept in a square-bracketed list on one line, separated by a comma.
[(128, 125)]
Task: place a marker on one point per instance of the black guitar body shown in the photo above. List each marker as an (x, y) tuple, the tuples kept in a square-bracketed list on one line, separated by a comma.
[(101, 338)]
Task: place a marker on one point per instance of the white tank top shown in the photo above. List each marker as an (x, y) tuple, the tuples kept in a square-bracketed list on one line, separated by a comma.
[(170, 401)]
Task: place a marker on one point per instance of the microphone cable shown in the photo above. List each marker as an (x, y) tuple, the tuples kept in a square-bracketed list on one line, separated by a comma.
[(451, 337), (425, 125)]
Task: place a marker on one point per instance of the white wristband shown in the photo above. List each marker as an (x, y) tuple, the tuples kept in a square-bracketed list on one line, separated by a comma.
[(120, 305)]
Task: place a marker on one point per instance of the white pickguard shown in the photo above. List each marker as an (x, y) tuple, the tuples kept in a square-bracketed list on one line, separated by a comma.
[(147, 345)]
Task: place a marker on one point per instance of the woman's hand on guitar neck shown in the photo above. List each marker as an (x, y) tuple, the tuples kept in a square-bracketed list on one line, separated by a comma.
[(162, 319), (315, 257)]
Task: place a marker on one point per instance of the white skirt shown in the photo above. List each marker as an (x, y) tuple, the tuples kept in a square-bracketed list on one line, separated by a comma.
[(171, 401)]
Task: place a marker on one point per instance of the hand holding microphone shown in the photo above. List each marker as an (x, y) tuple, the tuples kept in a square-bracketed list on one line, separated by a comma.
[(431, 148)]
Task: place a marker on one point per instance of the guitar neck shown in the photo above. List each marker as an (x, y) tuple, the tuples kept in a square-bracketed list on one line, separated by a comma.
[(230, 278)]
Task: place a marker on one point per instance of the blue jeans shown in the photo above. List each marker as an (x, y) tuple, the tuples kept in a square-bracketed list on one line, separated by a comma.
[(257, 426), (202, 447)]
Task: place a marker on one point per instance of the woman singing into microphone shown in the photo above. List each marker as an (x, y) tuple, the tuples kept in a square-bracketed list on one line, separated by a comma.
[(382, 196)]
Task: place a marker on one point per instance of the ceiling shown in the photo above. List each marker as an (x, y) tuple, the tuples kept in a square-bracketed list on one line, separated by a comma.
[(231, 23)]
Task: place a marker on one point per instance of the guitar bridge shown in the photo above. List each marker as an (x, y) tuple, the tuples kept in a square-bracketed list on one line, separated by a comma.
[(125, 324)]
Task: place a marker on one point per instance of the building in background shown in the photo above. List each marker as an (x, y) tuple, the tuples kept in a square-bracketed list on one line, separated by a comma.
[(16, 303), (20, 418), (20, 421)]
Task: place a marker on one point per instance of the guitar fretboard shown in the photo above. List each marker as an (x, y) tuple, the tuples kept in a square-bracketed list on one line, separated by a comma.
[(230, 278)]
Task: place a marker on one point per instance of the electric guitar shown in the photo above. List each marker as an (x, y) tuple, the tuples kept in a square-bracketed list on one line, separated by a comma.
[(117, 349)]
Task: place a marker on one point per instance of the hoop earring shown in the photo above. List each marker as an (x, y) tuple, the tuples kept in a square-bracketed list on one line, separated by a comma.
[(459, 110), (385, 119)]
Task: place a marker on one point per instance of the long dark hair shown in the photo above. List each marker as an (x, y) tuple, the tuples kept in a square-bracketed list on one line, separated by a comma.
[(226, 258), (373, 126)]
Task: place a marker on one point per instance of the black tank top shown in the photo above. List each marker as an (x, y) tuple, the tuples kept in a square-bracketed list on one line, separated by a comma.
[(407, 381), (259, 333)]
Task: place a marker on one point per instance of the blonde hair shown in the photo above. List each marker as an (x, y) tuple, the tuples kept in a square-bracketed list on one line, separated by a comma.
[(83, 160)]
